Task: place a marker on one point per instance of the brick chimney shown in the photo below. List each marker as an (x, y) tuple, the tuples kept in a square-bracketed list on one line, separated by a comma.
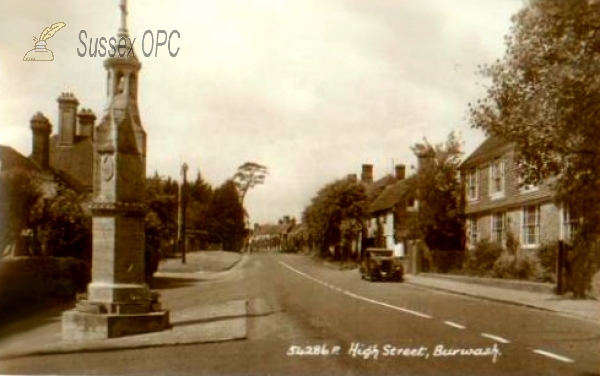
[(367, 173), (86, 122), (67, 118), (400, 171), (352, 178), (41, 128)]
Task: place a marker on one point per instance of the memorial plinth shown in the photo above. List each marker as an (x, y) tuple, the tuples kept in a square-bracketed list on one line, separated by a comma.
[(118, 302)]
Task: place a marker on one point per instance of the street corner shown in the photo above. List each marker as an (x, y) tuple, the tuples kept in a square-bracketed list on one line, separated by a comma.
[(212, 323)]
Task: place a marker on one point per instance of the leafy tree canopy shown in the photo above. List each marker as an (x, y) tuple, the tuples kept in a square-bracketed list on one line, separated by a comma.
[(225, 218), (249, 175), (440, 217), (336, 212)]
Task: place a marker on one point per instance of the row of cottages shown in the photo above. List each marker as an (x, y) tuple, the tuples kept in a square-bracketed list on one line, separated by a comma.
[(498, 203), (61, 159), (271, 237)]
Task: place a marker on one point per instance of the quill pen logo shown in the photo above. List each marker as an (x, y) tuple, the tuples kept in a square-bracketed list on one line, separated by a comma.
[(40, 52)]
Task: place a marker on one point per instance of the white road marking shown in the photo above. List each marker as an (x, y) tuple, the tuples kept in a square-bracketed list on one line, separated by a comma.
[(355, 296), (495, 338), (554, 356), (454, 325)]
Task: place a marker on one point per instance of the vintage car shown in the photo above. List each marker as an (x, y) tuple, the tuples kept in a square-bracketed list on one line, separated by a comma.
[(380, 264)]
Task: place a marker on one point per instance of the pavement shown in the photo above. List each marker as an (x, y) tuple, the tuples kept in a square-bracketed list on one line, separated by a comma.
[(208, 323), (588, 309)]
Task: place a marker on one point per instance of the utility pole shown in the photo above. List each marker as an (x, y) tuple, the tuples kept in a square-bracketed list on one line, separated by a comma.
[(181, 212), (560, 264)]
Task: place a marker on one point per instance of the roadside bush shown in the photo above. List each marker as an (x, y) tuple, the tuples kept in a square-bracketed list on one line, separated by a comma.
[(29, 283), (484, 256), (547, 255), (446, 261), (513, 267)]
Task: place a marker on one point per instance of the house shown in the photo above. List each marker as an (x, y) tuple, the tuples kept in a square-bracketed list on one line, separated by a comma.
[(271, 237), (391, 212), (392, 201), (498, 203), (65, 159)]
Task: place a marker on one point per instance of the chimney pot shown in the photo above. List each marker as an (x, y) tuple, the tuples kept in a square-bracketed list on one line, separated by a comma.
[(367, 173), (86, 122), (41, 128), (400, 171), (67, 118)]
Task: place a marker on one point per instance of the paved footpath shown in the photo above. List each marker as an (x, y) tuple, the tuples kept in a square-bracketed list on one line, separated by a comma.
[(216, 322), (588, 309)]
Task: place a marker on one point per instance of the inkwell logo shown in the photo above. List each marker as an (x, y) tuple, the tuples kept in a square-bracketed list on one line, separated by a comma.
[(40, 52)]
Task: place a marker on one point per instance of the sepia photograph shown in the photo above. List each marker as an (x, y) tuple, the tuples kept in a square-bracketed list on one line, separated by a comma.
[(300, 187)]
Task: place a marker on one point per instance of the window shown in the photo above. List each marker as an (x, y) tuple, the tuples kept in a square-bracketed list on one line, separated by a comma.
[(411, 204), (473, 232), (530, 229), (472, 188), (497, 178), (569, 224), (498, 230)]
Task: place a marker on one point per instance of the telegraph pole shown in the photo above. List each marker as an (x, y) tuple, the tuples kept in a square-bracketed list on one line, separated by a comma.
[(181, 212)]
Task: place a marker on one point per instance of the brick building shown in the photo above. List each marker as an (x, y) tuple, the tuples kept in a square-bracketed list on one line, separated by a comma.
[(498, 203)]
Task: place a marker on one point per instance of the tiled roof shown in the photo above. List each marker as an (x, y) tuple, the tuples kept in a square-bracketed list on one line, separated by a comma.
[(298, 229), (492, 146), (69, 181), (373, 190), (392, 195), (13, 159), (273, 229)]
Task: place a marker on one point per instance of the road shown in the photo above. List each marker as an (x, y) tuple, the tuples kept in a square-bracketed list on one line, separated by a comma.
[(309, 319)]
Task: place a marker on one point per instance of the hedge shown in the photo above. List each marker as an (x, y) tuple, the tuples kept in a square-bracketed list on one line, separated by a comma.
[(26, 284)]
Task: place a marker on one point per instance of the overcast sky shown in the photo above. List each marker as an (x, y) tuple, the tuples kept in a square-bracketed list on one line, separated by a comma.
[(310, 88)]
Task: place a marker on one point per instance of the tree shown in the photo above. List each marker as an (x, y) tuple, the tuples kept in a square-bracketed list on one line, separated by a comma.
[(249, 175), (65, 227), (336, 214), (544, 97), (225, 220), (160, 221), (20, 190), (440, 218), (200, 194)]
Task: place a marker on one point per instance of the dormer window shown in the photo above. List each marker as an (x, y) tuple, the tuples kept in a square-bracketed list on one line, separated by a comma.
[(497, 178)]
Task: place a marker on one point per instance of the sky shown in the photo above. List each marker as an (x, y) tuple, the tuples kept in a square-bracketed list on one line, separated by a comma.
[(312, 89)]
